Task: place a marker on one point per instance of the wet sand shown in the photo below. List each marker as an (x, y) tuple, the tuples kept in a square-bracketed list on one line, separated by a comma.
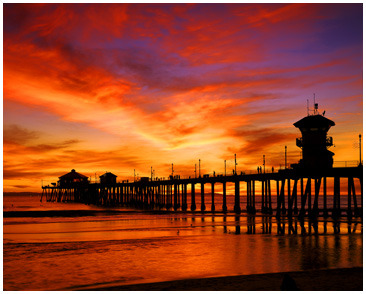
[(346, 279)]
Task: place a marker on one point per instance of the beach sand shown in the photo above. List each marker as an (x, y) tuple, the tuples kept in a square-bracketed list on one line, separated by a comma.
[(346, 279)]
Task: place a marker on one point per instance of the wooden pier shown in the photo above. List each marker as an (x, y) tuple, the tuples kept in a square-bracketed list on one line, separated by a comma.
[(297, 192)]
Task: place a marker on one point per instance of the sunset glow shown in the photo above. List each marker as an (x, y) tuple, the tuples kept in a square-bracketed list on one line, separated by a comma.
[(118, 87)]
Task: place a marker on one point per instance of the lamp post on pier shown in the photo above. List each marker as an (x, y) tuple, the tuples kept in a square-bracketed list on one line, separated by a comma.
[(285, 157), (235, 163)]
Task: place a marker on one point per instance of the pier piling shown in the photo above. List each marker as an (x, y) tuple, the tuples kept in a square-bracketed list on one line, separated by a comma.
[(291, 187)]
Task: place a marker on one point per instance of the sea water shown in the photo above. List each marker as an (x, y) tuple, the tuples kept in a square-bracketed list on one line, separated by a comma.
[(104, 246)]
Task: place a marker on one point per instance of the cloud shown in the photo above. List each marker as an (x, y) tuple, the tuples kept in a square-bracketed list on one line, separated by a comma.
[(21, 186), (260, 140), (19, 140), (170, 82), (18, 135), (21, 173), (42, 148), (37, 161), (54, 22)]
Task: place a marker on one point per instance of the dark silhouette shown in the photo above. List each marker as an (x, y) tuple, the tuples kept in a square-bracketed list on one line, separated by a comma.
[(108, 178), (288, 284), (72, 178), (314, 141), (171, 192)]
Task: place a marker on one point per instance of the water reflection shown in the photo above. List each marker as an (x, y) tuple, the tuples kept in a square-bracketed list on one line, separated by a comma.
[(142, 247), (251, 224), (150, 249), (292, 226), (280, 227), (266, 225), (225, 226)]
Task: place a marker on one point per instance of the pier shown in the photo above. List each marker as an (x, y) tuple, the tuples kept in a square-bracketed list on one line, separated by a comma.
[(296, 192), (311, 187)]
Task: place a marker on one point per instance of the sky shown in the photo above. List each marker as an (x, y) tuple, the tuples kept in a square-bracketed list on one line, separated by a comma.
[(124, 87)]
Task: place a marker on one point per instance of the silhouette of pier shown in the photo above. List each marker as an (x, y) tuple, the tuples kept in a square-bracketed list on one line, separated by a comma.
[(298, 190)]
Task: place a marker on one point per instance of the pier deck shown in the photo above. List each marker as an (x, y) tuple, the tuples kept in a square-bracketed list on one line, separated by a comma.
[(297, 192)]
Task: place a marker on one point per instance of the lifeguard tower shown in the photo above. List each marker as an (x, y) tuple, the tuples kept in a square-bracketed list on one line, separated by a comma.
[(314, 141)]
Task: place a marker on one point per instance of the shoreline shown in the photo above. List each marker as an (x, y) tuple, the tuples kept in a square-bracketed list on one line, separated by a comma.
[(340, 279)]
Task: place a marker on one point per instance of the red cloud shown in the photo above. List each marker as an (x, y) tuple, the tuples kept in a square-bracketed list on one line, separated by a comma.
[(171, 81)]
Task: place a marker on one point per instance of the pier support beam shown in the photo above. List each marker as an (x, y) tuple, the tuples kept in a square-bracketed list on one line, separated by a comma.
[(292, 202), (269, 196), (352, 192), (212, 196), (337, 198), (325, 208), (184, 197), (305, 195), (281, 198), (237, 197), (224, 207), (361, 208), (193, 198), (249, 197), (315, 211), (179, 195), (264, 198), (169, 190), (203, 206), (253, 197), (289, 202)]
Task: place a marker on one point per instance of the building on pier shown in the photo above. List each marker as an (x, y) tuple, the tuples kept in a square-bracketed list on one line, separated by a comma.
[(72, 178), (108, 179), (314, 141)]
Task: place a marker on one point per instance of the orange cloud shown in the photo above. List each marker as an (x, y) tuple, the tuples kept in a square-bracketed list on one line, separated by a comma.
[(152, 84)]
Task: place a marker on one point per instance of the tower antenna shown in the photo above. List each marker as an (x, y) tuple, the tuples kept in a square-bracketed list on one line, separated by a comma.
[(315, 106), (307, 100)]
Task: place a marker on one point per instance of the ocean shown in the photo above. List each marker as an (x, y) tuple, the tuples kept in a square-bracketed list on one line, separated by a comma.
[(71, 246)]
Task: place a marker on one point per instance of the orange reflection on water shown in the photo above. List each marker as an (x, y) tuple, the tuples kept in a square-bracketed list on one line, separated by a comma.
[(150, 248)]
